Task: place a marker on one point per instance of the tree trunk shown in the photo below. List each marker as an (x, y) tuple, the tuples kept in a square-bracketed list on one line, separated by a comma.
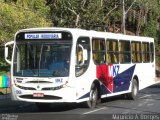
[(139, 22)]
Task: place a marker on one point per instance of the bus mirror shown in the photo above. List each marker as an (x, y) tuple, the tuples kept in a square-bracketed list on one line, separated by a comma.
[(82, 55), (7, 57), (85, 56)]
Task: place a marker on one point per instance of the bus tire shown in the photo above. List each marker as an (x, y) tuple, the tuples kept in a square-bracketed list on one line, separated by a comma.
[(134, 90), (93, 98), (43, 106)]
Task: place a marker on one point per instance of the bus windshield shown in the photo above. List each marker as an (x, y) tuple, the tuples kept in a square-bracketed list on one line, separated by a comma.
[(42, 59)]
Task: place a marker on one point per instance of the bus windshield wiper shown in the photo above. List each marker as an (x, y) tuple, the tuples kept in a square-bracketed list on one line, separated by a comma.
[(40, 57)]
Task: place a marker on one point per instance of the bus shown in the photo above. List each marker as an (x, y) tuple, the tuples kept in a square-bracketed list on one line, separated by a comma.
[(71, 65)]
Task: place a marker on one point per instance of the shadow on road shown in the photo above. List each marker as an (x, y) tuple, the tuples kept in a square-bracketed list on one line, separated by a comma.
[(60, 107)]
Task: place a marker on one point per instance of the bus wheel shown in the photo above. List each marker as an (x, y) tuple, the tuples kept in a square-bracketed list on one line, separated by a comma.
[(43, 106), (134, 90), (92, 102)]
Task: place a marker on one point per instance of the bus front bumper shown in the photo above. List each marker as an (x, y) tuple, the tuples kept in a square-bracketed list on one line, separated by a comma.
[(66, 94)]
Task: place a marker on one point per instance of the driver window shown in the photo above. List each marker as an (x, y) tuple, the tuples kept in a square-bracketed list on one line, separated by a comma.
[(82, 55)]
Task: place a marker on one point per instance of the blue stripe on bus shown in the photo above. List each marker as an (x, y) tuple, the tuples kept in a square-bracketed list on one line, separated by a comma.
[(85, 95), (122, 81), (104, 90)]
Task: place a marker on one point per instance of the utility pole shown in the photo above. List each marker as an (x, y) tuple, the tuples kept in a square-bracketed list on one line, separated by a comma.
[(124, 15)]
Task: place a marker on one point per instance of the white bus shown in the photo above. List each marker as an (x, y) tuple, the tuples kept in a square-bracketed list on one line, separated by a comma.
[(65, 65)]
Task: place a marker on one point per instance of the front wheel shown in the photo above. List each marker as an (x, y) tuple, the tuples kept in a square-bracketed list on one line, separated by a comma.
[(134, 90), (93, 98)]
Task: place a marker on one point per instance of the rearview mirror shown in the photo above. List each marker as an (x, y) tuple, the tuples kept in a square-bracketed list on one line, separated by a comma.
[(85, 56), (7, 45), (82, 55)]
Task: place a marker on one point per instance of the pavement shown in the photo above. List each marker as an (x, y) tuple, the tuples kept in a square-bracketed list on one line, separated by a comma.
[(7, 103)]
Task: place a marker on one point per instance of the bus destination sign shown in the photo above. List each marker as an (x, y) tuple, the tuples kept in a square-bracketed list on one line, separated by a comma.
[(43, 36)]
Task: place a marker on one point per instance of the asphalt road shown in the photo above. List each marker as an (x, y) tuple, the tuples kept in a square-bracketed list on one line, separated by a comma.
[(146, 107)]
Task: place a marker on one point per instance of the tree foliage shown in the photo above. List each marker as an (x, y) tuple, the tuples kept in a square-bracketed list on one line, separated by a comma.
[(90, 13), (86, 14), (82, 13), (21, 14)]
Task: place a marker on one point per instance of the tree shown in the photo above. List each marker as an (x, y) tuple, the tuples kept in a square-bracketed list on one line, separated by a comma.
[(15, 16), (20, 14), (83, 13)]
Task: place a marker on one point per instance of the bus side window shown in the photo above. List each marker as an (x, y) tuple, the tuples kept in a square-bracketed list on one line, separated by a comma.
[(151, 52), (145, 52), (112, 51), (98, 50), (136, 52), (125, 51)]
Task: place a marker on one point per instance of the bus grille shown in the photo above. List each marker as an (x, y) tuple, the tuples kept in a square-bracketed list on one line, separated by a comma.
[(53, 88), (25, 88), (39, 82), (48, 97)]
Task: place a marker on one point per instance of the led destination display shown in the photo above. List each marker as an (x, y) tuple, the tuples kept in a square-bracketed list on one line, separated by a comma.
[(43, 36)]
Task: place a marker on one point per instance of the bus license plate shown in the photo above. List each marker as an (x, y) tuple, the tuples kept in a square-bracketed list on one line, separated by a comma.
[(38, 94)]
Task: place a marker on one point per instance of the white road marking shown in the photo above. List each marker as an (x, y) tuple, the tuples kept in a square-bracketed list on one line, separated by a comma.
[(144, 96), (93, 111)]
